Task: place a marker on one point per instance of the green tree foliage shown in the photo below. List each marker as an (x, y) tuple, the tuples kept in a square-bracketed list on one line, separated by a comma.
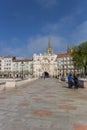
[(80, 56)]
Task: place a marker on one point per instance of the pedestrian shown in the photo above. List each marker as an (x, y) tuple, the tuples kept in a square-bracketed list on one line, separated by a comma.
[(44, 77), (70, 81), (76, 82)]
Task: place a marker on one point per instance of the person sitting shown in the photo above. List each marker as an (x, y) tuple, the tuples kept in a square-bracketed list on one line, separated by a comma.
[(70, 81), (76, 82)]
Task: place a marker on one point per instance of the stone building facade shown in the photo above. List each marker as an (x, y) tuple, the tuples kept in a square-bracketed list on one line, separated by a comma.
[(48, 64), (45, 64), (10, 67), (65, 64)]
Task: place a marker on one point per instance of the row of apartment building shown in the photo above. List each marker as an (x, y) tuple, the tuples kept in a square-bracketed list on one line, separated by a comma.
[(54, 64), (12, 67), (61, 65)]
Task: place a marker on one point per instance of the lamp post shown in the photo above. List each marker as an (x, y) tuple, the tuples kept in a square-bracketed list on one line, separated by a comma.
[(74, 67), (63, 70), (31, 71), (22, 64)]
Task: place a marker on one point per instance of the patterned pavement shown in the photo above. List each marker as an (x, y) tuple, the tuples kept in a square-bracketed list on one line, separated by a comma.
[(43, 105)]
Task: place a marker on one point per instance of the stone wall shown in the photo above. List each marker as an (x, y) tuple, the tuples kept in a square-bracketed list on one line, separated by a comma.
[(15, 84), (83, 83)]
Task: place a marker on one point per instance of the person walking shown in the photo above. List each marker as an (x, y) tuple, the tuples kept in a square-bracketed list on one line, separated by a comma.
[(70, 81)]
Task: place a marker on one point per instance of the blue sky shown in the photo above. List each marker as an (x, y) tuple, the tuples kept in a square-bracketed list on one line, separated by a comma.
[(26, 25)]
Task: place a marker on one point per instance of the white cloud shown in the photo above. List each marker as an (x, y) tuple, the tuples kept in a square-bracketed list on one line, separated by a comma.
[(7, 49), (80, 33), (39, 44), (61, 25), (11, 51), (36, 44), (76, 34)]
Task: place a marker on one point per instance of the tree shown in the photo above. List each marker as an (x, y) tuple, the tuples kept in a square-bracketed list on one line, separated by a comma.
[(80, 56)]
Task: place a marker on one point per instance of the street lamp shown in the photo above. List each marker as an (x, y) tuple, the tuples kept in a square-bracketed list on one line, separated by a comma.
[(63, 70), (74, 67), (22, 64)]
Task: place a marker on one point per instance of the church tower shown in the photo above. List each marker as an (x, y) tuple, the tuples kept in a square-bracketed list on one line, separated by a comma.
[(70, 49), (49, 49)]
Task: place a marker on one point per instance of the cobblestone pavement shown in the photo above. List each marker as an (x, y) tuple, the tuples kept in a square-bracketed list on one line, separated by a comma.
[(43, 105)]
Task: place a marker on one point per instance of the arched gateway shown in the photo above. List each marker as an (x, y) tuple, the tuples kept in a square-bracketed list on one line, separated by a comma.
[(46, 74), (45, 63)]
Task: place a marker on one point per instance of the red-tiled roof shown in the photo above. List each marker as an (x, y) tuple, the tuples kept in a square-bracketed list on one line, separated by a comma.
[(8, 56), (22, 60), (64, 55)]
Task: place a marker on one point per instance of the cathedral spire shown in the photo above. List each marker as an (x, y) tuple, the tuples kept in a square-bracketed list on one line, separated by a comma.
[(70, 49), (49, 49), (49, 43)]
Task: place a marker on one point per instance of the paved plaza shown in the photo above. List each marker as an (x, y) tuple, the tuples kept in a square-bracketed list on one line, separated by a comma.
[(43, 105)]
